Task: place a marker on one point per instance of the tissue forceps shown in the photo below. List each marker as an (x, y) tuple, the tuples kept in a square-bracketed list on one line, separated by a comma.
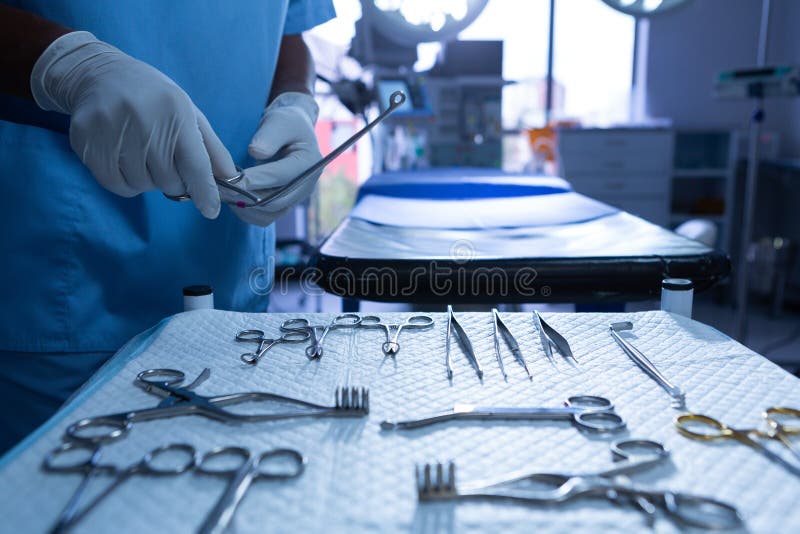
[(463, 340), (157, 462), (705, 428), (437, 483), (551, 339), (250, 468), (264, 343), (500, 329), (301, 324), (396, 99), (177, 401), (594, 414), (391, 346), (677, 394)]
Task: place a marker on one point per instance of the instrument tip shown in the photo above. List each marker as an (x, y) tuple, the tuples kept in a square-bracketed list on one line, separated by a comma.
[(388, 425)]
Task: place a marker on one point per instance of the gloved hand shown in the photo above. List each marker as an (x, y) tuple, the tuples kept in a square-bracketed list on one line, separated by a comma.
[(131, 125), (285, 133)]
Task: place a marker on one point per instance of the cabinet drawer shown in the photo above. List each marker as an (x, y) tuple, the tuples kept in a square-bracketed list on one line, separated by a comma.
[(601, 184), (617, 151)]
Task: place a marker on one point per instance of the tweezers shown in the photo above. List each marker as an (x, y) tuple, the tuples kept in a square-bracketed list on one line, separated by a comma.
[(551, 339), (461, 336), (500, 329)]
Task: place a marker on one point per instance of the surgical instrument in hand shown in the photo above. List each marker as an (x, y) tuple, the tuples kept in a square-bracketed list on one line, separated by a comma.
[(177, 401), (453, 326), (551, 339), (264, 343), (74, 457), (437, 482), (277, 464), (315, 351), (705, 428), (500, 329), (586, 412), (391, 346), (678, 396), (396, 99)]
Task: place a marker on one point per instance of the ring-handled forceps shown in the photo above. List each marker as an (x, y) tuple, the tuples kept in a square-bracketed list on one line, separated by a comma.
[(705, 428), (454, 327), (586, 412), (318, 332), (265, 343), (177, 401), (438, 482), (241, 467), (391, 346), (551, 339), (84, 458), (677, 394), (396, 100), (501, 330)]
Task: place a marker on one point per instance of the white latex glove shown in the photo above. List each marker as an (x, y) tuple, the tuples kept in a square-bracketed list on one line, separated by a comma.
[(131, 125), (286, 131)]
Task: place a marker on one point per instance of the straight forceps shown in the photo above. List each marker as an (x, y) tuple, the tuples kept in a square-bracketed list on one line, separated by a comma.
[(593, 414), (318, 332), (677, 394), (264, 343), (391, 346), (396, 100), (453, 326), (705, 428), (501, 330), (242, 468), (551, 339), (73, 457), (435, 482), (177, 401)]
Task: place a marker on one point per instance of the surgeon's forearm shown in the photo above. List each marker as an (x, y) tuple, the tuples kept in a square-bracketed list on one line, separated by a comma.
[(295, 69), (23, 38)]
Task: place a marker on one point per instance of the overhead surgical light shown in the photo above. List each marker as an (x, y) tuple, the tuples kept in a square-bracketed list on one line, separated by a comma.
[(645, 8)]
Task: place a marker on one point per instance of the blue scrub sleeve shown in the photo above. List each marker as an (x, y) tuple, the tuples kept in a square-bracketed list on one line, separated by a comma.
[(305, 14)]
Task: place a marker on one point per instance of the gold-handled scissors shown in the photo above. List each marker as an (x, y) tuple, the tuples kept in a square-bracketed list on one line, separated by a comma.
[(705, 428)]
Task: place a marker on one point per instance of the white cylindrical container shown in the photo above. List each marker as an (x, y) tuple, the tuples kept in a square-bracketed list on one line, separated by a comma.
[(198, 298), (677, 295)]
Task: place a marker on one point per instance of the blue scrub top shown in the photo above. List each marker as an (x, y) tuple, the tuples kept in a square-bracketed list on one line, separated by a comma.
[(84, 269)]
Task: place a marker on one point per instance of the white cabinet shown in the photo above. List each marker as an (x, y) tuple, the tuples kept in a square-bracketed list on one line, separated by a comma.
[(630, 168)]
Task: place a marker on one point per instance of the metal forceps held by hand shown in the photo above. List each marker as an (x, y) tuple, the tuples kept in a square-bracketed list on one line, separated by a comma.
[(453, 326), (264, 343), (75, 457), (396, 100), (678, 396), (177, 401), (705, 428), (242, 468), (586, 412), (501, 330), (437, 482), (391, 346), (318, 332), (551, 339)]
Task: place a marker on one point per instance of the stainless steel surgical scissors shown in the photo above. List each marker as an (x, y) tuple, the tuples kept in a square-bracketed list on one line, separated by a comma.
[(277, 464), (318, 332), (265, 343), (396, 100), (438, 482), (705, 428), (501, 330), (391, 346), (74, 457), (349, 402), (453, 326), (594, 414)]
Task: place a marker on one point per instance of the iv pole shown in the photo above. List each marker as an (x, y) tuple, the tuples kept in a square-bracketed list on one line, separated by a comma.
[(751, 181)]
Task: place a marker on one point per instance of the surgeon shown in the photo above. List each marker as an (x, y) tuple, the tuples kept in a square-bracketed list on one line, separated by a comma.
[(105, 106)]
